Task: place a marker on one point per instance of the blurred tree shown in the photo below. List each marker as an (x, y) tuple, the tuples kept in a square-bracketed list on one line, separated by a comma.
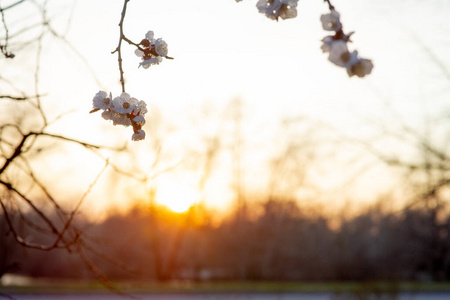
[(426, 173)]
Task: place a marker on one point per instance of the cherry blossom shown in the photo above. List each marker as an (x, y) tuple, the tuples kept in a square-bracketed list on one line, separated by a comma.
[(122, 110), (152, 51)]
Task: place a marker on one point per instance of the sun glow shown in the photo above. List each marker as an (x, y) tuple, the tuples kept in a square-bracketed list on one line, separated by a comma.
[(177, 196)]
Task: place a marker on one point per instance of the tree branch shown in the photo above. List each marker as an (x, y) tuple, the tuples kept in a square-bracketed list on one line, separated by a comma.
[(118, 49), (11, 6), (330, 6)]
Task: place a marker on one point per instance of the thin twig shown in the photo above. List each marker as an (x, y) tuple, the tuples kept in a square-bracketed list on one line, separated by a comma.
[(23, 98), (77, 207), (107, 258), (17, 152), (12, 5), (4, 48), (31, 224), (100, 275), (330, 6), (118, 49), (39, 212), (18, 239), (76, 52), (44, 189), (38, 67), (64, 138)]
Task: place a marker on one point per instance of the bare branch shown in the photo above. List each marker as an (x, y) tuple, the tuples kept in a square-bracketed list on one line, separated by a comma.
[(23, 98), (98, 274), (4, 48), (31, 224), (87, 145), (44, 189), (14, 232), (330, 6), (72, 214), (12, 5), (39, 212), (118, 49), (76, 52), (17, 152)]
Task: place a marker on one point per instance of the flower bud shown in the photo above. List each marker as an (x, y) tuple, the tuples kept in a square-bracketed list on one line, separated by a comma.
[(145, 43)]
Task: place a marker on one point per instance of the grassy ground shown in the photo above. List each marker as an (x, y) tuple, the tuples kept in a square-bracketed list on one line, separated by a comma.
[(232, 287)]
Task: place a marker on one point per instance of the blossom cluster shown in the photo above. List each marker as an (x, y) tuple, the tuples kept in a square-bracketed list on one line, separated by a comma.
[(152, 51), (122, 110), (274, 9), (336, 46)]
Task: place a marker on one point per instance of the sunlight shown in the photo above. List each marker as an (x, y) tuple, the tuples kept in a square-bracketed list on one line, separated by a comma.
[(176, 195)]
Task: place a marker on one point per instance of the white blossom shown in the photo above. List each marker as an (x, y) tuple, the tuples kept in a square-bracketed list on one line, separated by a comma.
[(120, 119), (361, 68), (331, 21), (138, 53), (161, 47), (125, 96), (326, 44), (101, 100), (107, 115), (358, 66), (149, 36), (140, 120), (339, 53), (123, 104), (273, 9), (352, 59), (151, 61), (140, 108), (139, 135)]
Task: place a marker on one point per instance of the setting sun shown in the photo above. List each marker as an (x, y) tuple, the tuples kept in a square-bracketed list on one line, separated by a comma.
[(176, 195)]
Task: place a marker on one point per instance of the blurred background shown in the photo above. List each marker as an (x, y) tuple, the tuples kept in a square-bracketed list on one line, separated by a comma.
[(262, 160)]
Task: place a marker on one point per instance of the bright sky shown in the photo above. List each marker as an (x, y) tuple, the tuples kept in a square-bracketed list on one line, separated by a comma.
[(225, 50)]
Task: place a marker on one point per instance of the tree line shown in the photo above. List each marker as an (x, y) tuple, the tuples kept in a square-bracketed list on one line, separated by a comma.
[(280, 241)]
